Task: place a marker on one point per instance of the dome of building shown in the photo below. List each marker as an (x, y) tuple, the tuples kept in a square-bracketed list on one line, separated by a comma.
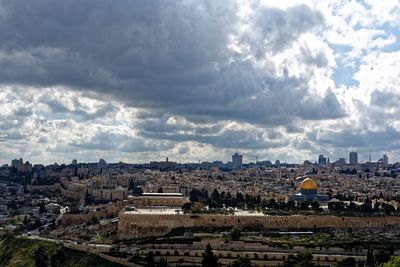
[(308, 184)]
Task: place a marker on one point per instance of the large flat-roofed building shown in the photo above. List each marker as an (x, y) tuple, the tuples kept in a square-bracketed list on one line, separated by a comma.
[(385, 160), (321, 160), (237, 161), (157, 200), (353, 158), (163, 165)]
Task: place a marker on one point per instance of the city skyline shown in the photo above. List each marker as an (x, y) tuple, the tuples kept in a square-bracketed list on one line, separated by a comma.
[(139, 81), (241, 159)]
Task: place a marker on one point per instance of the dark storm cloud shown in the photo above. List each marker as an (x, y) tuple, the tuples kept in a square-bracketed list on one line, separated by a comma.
[(385, 99), (169, 57), (57, 106), (161, 125), (119, 142), (214, 135), (320, 60), (387, 139), (277, 29), (227, 139)]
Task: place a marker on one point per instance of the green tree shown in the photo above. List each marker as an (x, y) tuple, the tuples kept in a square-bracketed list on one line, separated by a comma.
[(215, 196), (350, 231), (42, 208), (228, 201), (315, 206), (304, 205), (239, 197), (291, 205), (272, 204), (209, 259), (26, 220), (195, 195), (235, 233), (88, 199), (393, 262), (36, 223), (187, 207)]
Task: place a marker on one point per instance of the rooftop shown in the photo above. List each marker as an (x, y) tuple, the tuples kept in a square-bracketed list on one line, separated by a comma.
[(171, 211), (164, 211)]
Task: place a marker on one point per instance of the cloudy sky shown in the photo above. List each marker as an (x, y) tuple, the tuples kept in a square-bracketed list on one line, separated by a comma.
[(193, 80)]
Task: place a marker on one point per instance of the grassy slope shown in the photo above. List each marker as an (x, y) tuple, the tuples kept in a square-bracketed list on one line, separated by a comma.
[(16, 252)]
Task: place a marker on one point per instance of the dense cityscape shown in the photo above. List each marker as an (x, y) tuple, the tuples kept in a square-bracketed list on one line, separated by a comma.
[(261, 212)]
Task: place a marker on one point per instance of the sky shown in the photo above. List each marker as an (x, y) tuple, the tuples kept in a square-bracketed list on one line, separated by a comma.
[(137, 81)]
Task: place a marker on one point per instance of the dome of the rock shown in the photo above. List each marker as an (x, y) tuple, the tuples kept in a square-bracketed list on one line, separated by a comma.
[(308, 184)]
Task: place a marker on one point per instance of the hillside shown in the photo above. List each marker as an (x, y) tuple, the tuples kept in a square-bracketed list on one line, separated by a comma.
[(16, 252)]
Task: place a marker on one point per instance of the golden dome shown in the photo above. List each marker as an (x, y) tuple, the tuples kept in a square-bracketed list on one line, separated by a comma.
[(308, 184)]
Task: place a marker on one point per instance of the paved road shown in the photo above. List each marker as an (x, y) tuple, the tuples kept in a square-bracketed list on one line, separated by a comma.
[(66, 242)]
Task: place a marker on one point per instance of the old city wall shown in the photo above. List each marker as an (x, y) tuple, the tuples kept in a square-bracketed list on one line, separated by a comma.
[(142, 202), (143, 225), (71, 218), (72, 190), (107, 212), (72, 194)]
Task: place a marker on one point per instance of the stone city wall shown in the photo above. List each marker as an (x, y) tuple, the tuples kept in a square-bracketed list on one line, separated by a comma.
[(106, 212), (71, 189), (77, 195), (144, 225), (143, 201)]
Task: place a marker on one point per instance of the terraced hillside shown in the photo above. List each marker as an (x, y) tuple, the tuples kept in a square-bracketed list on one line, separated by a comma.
[(18, 252)]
